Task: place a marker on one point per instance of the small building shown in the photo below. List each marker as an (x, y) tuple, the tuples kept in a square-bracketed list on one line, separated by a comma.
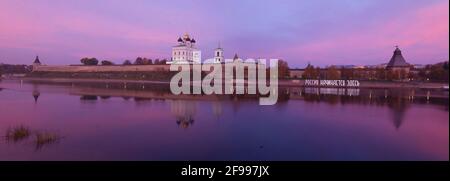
[(296, 73)]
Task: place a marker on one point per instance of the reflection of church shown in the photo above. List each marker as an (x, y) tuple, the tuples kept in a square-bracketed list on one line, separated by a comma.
[(217, 109), (184, 112)]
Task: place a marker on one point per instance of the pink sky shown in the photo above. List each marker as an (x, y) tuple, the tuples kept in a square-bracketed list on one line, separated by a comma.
[(320, 32)]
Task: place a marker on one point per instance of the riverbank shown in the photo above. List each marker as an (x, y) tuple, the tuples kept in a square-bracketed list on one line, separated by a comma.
[(282, 83), (81, 80), (376, 84)]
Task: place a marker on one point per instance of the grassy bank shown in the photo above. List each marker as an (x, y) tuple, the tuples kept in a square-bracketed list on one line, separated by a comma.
[(149, 76)]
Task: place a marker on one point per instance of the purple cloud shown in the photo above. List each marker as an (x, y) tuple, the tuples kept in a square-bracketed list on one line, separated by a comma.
[(321, 32)]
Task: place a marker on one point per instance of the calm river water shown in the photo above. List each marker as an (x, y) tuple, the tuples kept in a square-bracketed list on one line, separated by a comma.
[(81, 121)]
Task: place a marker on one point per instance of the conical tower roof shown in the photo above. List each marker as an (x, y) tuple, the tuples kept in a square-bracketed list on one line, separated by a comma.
[(235, 56), (37, 60), (397, 60)]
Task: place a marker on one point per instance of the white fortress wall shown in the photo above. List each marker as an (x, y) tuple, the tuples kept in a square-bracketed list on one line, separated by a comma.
[(111, 68)]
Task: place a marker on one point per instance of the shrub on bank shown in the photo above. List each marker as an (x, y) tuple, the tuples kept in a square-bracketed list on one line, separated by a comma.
[(89, 61)]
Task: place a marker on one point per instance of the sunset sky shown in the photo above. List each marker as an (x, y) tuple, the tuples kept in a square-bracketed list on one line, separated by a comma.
[(321, 32)]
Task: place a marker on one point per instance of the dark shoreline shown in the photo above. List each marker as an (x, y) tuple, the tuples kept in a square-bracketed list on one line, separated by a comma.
[(282, 83)]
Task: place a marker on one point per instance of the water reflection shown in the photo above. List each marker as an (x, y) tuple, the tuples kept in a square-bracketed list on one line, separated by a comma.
[(370, 96), (217, 109), (398, 108), (88, 98), (398, 100), (184, 107), (36, 95), (105, 97), (307, 123), (184, 112)]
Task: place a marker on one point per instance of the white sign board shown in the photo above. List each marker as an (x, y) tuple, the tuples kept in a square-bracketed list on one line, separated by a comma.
[(332, 83)]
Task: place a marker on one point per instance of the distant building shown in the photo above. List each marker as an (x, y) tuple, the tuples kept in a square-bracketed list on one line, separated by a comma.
[(36, 62), (419, 66), (397, 69), (185, 51), (296, 73), (397, 62)]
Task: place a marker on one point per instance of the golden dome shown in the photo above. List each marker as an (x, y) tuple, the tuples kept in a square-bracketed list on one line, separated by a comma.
[(186, 36)]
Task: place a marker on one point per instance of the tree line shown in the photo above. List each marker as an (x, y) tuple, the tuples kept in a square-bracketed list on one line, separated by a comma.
[(138, 61), (14, 69), (436, 72)]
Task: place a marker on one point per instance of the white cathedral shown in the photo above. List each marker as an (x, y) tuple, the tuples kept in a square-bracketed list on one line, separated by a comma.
[(186, 52)]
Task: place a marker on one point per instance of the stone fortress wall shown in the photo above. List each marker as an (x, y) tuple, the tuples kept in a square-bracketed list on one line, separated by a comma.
[(117, 68), (100, 68)]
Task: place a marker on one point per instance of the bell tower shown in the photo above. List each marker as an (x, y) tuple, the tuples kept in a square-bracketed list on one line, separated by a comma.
[(218, 55)]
